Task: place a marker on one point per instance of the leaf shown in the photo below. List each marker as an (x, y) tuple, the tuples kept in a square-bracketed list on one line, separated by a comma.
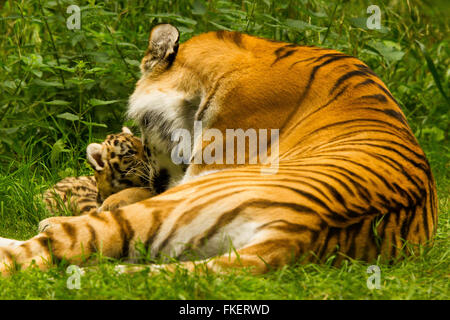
[(361, 22), (80, 82), (44, 83), (389, 50), (199, 7), (318, 14), (174, 17), (9, 84), (37, 73), (433, 70), (9, 130), (94, 124), (302, 25), (57, 102), (219, 26), (68, 116), (185, 30), (436, 133), (132, 62), (57, 149), (127, 44), (96, 102)]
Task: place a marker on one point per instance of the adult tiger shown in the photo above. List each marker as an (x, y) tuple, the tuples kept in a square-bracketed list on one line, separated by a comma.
[(351, 176)]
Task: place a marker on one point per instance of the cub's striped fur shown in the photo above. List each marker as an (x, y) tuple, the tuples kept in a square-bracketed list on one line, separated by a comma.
[(352, 180), (120, 162)]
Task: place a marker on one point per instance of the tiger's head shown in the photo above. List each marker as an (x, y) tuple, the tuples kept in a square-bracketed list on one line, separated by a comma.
[(182, 83), (120, 162)]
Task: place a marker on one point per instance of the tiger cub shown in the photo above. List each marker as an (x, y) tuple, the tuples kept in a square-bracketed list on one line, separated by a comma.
[(120, 162)]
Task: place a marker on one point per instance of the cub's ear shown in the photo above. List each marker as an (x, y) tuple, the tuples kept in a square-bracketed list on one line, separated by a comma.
[(94, 156), (126, 130), (162, 46)]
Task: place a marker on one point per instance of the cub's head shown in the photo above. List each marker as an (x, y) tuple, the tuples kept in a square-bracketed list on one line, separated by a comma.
[(120, 162)]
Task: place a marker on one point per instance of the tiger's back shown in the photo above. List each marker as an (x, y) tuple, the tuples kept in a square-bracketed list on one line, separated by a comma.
[(77, 195)]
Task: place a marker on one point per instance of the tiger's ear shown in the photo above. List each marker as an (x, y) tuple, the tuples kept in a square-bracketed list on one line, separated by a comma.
[(126, 130), (162, 47), (94, 156)]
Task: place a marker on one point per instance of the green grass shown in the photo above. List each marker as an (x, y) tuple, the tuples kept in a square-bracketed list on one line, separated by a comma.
[(53, 103)]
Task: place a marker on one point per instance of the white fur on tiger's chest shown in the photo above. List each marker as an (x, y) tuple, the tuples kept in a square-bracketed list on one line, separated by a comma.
[(160, 113)]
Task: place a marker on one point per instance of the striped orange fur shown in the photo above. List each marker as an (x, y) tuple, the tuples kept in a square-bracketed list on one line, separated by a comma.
[(352, 179)]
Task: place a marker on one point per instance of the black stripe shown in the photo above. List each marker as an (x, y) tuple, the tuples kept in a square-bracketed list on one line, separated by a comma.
[(234, 36), (326, 104), (380, 177), (364, 83), (88, 208), (389, 112), (300, 61), (330, 55), (260, 203), (395, 114), (287, 226), (380, 157), (125, 231), (418, 155), (424, 216), (352, 133), (220, 34), (92, 244), (312, 76), (220, 222), (387, 124), (84, 200), (237, 38), (71, 232), (417, 165), (365, 68), (379, 97), (45, 242), (362, 191), (348, 75), (370, 81), (345, 186), (283, 56), (154, 229)]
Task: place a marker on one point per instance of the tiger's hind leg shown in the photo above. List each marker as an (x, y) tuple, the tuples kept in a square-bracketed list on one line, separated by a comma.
[(259, 258)]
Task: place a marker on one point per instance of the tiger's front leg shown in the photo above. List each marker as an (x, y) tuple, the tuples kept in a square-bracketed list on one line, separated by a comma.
[(76, 239)]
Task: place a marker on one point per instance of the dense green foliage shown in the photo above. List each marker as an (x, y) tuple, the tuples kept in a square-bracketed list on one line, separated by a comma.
[(61, 89)]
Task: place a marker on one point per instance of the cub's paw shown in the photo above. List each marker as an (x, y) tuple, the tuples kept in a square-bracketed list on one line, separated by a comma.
[(46, 224), (125, 197), (112, 203)]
